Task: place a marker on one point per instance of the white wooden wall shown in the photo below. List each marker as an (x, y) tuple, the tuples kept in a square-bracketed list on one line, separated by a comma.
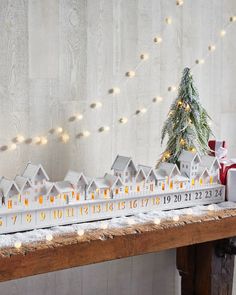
[(58, 55)]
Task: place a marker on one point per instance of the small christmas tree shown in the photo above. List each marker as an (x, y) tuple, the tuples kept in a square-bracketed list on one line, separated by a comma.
[(187, 124)]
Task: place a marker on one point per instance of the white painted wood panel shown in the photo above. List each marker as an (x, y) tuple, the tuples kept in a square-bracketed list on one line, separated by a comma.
[(58, 55)]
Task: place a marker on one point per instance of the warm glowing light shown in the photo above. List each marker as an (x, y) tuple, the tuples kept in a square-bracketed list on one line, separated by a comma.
[(131, 74), (232, 19), (168, 20), (114, 90), (123, 120), (17, 244), (59, 130), (79, 117), (211, 207), (104, 128), (179, 2), (157, 99), (222, 33), (104, 225), (36, 140), (43, 140), (212, 47), (189, 211), (187, 108), (65, 137), (172, 88), (20, 138), (157, 40), (80, 232), (131, 221), (144, 56), (180, 103), (12, 147), (85, 133), (192, 149), (157, 220), (182, 141), (171, 113), (175, 218), (96, 105), (49, 237), (200, 61)]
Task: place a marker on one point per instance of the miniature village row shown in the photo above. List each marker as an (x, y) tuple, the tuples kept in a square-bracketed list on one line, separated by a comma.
[(33, 189)]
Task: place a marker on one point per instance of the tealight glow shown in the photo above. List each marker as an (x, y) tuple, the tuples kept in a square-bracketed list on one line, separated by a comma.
[(80, 232), (49, 237), (18, 244), (157, 220), (175, 218)]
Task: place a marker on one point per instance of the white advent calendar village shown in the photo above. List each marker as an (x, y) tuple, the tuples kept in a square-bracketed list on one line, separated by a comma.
[(32, 201)]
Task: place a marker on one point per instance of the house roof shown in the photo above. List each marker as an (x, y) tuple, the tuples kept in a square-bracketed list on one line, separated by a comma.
[(31, 171), (209, 162), (188, 156), (98, 183), (51, 186), (22, 182), (140, 172), (122, 162), (6, 185), (145, 168), (64, 186), (202, 171), (160, 174), (74, 177), (112, 180), (169, 168)]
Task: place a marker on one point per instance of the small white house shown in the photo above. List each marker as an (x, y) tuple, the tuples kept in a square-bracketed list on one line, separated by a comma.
[(189, 163), (52, 196), (36, 174), (115, 184), (151, 177), (213, 166), (140, 181), (125, 168), (203, 176), (26, 190), (10, 193), (171, 172), (98, 189), (66, 190), (79, 182)]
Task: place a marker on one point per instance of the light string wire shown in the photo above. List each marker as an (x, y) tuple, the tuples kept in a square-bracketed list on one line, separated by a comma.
[(64, 136)]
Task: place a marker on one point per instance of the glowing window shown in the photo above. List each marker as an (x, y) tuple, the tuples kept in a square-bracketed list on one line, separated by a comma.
[(10, 204), (138, 188), (126, 189), (51, 199), (26, 202), (41, 200), (117, 191), (171, 184), (92, 196), (77, 196)]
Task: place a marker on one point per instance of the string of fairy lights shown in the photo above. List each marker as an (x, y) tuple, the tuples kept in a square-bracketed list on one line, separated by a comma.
[(64, 136)]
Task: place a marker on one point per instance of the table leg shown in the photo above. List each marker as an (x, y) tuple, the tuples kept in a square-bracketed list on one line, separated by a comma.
[(204, 270)]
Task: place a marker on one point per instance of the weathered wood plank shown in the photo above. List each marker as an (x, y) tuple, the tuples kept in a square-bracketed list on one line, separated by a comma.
[(96, 246)]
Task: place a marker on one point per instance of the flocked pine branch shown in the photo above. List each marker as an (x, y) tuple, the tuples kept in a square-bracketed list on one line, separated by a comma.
[(187, 125)]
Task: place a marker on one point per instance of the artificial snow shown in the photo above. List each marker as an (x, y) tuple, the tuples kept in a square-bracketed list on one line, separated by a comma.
[(9, 240)]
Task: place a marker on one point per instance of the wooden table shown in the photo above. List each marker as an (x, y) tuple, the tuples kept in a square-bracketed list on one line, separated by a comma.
[(201, 241)]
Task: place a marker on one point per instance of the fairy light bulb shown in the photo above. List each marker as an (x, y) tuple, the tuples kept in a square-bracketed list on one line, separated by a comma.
[(143, 110), (200, 61), (49, 237), (65, 137), (212, 47), (104, 129), (182, 141), (96, 105), (131, 74), (189, 211), (157, 99), (144, 56), (168, 20), (232, 19), (36, 140), (104, 225), (12, 147), (175, 218), (131, 221), (187, 108), (180, 103), (86, 133), (157, 220), (79, 117), (179, 2), (222, 33), (115, 90), (172, 88), (80, 232), (157, 40), (18, 244), (211, 207), (43, 140), (123, 120), (20, 138), (59, 130)]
